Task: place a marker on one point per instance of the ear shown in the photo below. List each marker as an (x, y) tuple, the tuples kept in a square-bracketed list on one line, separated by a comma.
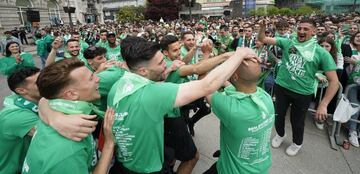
[(70, 94), (142, 71), (90, 61), (166, 53), (21, 91)]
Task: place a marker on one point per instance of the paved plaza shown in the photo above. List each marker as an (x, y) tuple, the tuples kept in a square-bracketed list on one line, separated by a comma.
[(316, 156)]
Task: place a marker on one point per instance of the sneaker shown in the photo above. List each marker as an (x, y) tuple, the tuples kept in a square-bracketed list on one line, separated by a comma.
[(353, 138), (277, 140), (293, 149), (320, 126)]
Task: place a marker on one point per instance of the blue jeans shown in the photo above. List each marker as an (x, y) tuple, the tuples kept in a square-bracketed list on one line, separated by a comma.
[(43, 60), (352, 96)]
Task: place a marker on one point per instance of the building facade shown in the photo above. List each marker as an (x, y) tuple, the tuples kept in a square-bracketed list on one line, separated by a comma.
[(112, 7), (220, 8), (15, 13), (335, 6)]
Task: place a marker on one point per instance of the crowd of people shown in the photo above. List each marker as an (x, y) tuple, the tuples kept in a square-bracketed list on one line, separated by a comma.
[(133, 92)]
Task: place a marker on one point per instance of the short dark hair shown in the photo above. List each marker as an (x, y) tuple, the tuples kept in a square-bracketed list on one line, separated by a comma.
[(103, 31), (93, 51), (137, 50), (7, 50), (53, 78), (71, 40), (224, 27), (167, 40), (18, 77), (185, 33), (75, 33), (309, 21)]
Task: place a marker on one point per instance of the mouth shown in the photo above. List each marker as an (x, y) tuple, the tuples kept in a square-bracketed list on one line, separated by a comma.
[(301, 37)]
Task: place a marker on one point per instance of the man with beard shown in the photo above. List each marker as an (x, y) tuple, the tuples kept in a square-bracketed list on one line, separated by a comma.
[(18, 119), (113, 51), (141, 104), (302, 57), (72, 47), (76, 36), (187, 51), (176, 135)]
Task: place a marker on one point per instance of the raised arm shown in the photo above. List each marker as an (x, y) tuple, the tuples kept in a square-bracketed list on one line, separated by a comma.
[(261, 36), (107, 152), (52, 55), (193, 90), (189, 55), (204, 66)]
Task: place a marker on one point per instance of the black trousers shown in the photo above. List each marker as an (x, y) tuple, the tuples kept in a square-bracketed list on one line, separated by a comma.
[(299, 107)]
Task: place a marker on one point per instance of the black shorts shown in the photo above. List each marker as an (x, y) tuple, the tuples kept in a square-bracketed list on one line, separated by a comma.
[(212, 170), (177, 137)]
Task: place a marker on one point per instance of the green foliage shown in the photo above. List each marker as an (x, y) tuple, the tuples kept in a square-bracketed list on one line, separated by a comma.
[(306, 10), (130, 14), (286, 11), (272, 10)]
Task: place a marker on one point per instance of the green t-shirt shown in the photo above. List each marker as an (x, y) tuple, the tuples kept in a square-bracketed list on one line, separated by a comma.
[(114, 53), (41, 47), (194, 60), (102, 44), (83, 45), (108, 78), (139, 125), (50, 152), (355, 73), (226, 40), (15, 123), (245, 132), (174, 77), (297, 74), (8, 64)]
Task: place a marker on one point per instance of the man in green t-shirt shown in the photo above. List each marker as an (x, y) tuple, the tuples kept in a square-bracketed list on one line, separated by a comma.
[(103, 41), (141, 104), (246, 114), (72, 50), (188, 49), (225, 39), (302, 58), (18, 119), (76, 36), (176, 133), (113, 51), (69, 86)]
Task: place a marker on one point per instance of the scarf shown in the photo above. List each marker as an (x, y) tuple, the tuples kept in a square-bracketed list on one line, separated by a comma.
[(74, 107), (306, 49), (26, 104), (255, 97), (128, 85)]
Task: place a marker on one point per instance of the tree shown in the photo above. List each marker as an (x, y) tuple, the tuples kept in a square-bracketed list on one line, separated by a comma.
[(167, 9), (130, 14), (285, 11), (306, 10), (272, 10)]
